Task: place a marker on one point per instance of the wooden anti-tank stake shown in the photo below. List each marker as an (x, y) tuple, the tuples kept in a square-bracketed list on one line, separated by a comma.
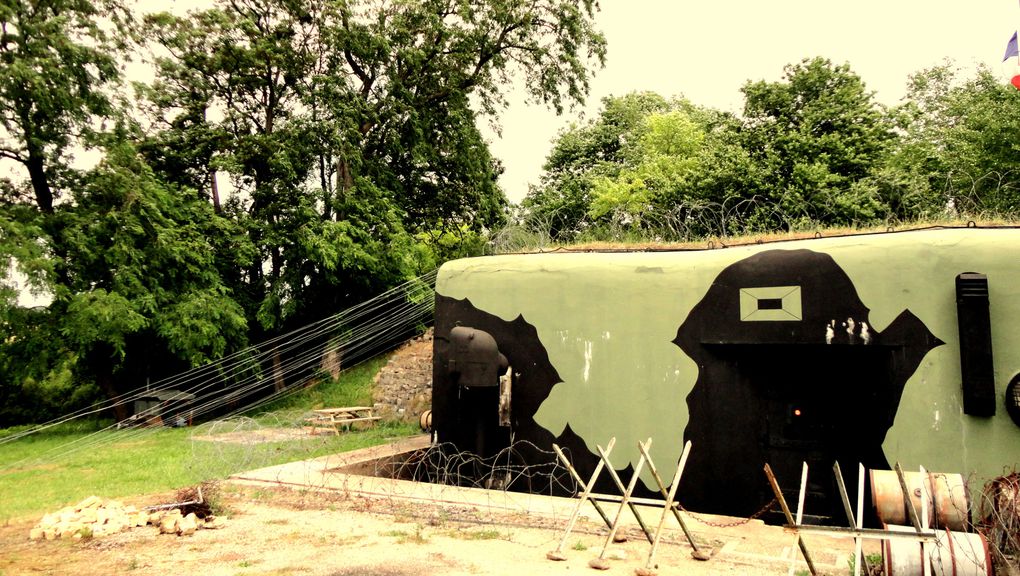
[(789, 516), (600, 562), (588, 487)]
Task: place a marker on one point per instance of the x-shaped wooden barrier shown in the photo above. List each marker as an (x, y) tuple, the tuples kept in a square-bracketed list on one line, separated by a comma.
[(600, 562), (670, 505), (557, 554)]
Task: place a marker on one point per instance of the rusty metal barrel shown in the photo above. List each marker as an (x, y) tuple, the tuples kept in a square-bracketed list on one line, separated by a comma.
[(948, 499), (425, 421), (960, 554), (952, 554), (901, 557)]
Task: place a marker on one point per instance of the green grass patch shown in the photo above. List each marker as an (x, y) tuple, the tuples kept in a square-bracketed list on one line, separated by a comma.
[(63, 465), (405, 537), (489, 534), (353, 388)]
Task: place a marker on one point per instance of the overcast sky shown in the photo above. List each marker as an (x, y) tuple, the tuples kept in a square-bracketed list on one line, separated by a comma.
[(706, 50)]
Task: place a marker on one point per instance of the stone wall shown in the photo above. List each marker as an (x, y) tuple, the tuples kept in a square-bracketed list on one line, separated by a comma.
[(403, 388)]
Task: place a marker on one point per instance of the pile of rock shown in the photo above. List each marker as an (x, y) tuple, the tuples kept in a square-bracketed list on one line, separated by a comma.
[(175, 522), (403, 388), (94, 517)]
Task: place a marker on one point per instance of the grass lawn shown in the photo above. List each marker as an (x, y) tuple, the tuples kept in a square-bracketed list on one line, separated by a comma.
[(63, 465)]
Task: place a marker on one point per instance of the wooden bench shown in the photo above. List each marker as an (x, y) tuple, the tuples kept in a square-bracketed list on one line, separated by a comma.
[(336, 418)]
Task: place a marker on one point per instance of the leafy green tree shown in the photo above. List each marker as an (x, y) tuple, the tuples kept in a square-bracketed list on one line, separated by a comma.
[(145, 298), (958, 154), (660, 168), (350, 126), (58, 68), (818, 132), (663, 157), (56, 62), (582, 155)]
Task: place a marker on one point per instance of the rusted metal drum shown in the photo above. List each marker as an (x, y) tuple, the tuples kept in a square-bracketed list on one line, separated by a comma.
[(902, 556), (949, 501), (425, 421), (952, 554), (960, 554)]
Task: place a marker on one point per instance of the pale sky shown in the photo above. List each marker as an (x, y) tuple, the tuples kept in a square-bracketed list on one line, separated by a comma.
[(706, 50)]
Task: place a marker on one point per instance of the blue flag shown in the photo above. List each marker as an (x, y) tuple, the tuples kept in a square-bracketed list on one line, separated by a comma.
[(1012, 48)]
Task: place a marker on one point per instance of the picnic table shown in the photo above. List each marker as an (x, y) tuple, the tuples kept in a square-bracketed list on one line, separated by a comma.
[(336, 418)]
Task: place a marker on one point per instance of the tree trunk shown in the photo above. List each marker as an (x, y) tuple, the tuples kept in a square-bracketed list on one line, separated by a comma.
[(331, 360), (345, 181), (120, 409), (40, 184), (278, 382), (327, 192), (215, 190), (100, 360)]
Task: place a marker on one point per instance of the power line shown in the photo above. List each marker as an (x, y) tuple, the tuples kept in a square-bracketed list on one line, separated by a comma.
[(295, 358)]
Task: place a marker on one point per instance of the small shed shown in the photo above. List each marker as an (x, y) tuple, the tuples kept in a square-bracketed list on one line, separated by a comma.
[(162, 408)]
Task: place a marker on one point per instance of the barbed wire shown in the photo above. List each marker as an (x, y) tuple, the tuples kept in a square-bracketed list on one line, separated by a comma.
[(997, 517), (511, 469), (525, 469), (221, 448)]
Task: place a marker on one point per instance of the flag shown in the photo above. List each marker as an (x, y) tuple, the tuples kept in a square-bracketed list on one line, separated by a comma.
[(1012, 48)]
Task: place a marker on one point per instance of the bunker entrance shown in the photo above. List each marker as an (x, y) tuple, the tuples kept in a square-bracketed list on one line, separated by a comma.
[(806, 403)]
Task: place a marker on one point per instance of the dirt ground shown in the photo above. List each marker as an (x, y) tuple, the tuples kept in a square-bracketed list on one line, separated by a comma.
[(310, 521), (283, 531), (317, 518)]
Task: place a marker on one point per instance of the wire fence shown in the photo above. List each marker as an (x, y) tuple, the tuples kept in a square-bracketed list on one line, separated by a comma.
[(258, 375)]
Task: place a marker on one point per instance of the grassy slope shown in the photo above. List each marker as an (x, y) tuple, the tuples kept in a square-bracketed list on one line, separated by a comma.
[(742, 239), (45, 471)]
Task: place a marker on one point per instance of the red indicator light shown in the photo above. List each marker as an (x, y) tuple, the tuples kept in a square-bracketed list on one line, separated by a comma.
[(796, 411)]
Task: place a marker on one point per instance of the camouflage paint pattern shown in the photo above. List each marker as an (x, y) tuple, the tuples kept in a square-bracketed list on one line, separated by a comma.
[(609, 324)]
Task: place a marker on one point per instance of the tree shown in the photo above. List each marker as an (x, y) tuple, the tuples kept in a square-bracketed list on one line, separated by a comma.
[(56, 61), (818, 132), (663, 155), (352, 124), (958, 154), (581, 155), (662, 168), (145, 298)]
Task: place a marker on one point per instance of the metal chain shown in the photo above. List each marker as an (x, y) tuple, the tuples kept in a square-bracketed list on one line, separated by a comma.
[(740, 522)]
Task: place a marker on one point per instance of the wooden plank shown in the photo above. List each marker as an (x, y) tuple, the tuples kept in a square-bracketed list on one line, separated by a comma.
[(351, 420), (866, 533), (860, 517), (911, 512), (591, 496), (624, 491), (654, 502), (670, 503), (341, 409), (859, 560), (800, 515)]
